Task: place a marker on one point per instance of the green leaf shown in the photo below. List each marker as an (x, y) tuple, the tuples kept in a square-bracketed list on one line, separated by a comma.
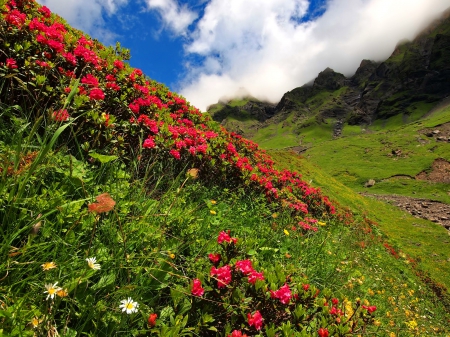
[(102, 158)]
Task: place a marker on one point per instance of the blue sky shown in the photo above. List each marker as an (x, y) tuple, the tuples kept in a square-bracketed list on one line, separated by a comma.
[(208, 50)]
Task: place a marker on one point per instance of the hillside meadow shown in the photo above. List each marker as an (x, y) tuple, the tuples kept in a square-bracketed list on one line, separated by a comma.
[(126, 211)]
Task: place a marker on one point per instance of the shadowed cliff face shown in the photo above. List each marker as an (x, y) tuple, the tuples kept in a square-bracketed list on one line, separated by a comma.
[(409, 82)]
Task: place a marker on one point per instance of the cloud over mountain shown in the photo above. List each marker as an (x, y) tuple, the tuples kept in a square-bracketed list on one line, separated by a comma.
[(265, 47)]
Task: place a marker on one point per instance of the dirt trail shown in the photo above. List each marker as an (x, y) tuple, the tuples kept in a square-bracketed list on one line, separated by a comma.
[(435, 211)]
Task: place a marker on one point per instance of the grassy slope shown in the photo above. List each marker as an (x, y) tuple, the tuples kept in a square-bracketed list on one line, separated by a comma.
[(355, 159), (423, 240)]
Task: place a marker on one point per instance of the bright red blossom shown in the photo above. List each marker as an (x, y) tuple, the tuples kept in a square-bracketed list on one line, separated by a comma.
[(256, 320), (60, 115), (152, 320), (11, 63), (214, 258), (323, 332), (283, 294), (97, 94), (197, 289), (222, 274)]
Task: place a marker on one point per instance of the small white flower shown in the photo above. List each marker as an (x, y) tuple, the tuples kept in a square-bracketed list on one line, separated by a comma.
[(52, 289), (129, 306), (92, 263)]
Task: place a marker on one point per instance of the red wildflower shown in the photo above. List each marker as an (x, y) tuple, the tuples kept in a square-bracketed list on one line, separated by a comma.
[(16, 18), (223, 275), (283, 294), (214, 258), (323, 332), (152, 320), (254, 276), (97, 94), (149, 143), (244, 266), (237, 333), (369, 309), (45, 11), (90, 80), (197, 289), (60, 115), (118, 64), (256, 320), (11, 63), (225, 237), (175, 153)]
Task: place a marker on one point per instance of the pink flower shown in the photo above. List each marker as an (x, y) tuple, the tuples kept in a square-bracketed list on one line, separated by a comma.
[(254, 276), (214, 258), (197, 289), (256, 320), (223, 275), (225, 237), (244, 266), (97, 94), (149, 143), (11, 63), (305, 287), (283, 294)]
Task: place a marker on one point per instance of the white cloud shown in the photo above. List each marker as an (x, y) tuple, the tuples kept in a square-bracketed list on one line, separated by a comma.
[(176, 17), (86, 15), (259, 45)]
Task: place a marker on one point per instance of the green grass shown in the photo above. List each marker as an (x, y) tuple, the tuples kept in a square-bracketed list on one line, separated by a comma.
[(425, 241)]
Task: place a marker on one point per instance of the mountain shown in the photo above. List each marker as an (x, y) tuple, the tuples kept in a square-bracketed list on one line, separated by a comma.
[(406, 85)]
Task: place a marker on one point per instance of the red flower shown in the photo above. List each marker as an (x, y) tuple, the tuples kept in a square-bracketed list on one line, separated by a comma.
[(237, 333), (335, 301), (197, 289), (305, 287), (90, 81), (60, 115), (283, 294), (175, 153), (118, 64), (16, 18), (214, 258), (254, 276), (244, 266), (225, 237), (256, 320), (45, 11), (149, 143), (11, 63), (323, 332), (369, 309), (152, 320), (97, 94), (223, 275)]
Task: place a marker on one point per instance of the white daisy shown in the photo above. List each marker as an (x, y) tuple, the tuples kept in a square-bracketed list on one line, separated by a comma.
[(52, 289), (92, 263), (129, 306)]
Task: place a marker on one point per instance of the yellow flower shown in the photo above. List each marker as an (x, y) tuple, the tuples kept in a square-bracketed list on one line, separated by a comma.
[(320, 223), (412, 324), (212, 212), (275, 215), (370, 292), (48, 265), (35, 322), (172, 256), (213, 202), (392, 334), (286, 232)]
